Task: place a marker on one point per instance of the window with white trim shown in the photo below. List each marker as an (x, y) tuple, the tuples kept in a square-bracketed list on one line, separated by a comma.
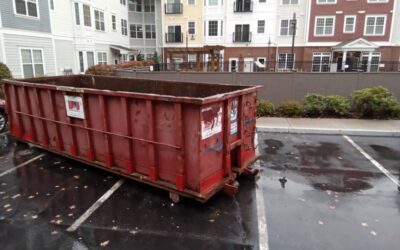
[(32, 62), (212, 28), (123, 2), (124, 27), (287, 27), (52, 4), (99, 20), (27, 8), (326, 1), (290, 2), (101, 57), (262, 1), (212, 2), (136, 30), (81, 62), (324, 26), (191, 27), (135, 5), (149, 6), (86, 16), (114, 22), (150, 31), (375, 25), (321, 61), (191, 2), (77, 15), (90, 59), (260, 26), (349, 24), (285, 61)]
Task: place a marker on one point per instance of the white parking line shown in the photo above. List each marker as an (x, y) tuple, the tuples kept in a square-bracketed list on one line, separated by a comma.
[(22, 165), (262, 218), (95, 206), (373, 161)]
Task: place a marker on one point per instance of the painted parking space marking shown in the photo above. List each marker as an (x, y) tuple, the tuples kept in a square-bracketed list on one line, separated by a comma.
[(21, 165), (95, 206), (373, 161), (261, 216)]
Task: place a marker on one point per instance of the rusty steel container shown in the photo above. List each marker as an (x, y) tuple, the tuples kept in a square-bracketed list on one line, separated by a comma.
[(191, 139)]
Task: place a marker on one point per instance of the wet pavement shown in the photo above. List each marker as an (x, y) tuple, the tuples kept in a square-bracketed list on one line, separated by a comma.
[(319, 192)]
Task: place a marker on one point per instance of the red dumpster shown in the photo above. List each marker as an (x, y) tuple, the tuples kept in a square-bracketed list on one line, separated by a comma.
[(191, 139)]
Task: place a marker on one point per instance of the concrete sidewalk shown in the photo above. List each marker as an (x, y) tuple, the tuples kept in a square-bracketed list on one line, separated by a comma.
[(329, 126)]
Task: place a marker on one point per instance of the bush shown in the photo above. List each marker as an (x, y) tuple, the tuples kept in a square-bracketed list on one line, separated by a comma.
[(265, 108), (376, 102), (336, 105), (314, 105), (5, 73), (289, 109), (100, 69)]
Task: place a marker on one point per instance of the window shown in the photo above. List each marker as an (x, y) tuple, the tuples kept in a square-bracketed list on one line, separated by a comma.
[(326, 1), (349, 24), (86, 16), (320, 61), (27, 8), (287, 2), (378, 1), (285, 61), (77, 16), (101, 57), (375, 25), (52, 4), (90, 59), (149, 6), (123, 2), (212, 2), (370, 61), (99, 20), (324, 26), (242, 33), (124, 27), (135, 5), (212, 28), (243, 6), (191, 2), (81, 62), (262, 1), (114, 22), (150, 31), (192, 28), (287, 26), (136, 30), (174, 34), (192, 58), (32, 62), (233, 64), (261, 26)]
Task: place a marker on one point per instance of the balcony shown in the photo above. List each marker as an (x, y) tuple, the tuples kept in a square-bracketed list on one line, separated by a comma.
[(173, 8), (241, 37), (173, 37), (243, 6)]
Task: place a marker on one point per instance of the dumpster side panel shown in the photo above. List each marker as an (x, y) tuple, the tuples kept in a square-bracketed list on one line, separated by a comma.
[(249, 105), (94, 117)]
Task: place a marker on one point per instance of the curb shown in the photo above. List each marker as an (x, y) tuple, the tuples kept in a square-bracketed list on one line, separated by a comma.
[(329, 131)]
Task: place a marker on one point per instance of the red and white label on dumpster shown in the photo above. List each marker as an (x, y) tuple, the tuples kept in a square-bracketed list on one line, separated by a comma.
[(211, 121), (74, 106)]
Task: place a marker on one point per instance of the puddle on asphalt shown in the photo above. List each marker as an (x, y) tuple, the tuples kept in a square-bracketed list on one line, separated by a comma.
[(321, 164), (385, 152), (5, 142)]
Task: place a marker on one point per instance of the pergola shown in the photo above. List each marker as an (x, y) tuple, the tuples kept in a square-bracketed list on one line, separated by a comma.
[(212, 51)]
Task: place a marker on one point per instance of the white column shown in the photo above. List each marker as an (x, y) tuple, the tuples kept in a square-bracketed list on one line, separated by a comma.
[(344, 60)]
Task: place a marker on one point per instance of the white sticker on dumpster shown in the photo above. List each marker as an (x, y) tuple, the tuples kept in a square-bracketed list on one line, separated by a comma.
[(74, 106), (211, 121), (234, 116)]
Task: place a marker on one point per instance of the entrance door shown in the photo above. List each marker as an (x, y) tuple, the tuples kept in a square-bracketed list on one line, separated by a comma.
[(248, 64)]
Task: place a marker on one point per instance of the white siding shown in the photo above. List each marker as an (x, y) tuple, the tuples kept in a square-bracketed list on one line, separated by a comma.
[(64, 53), (13, 43)]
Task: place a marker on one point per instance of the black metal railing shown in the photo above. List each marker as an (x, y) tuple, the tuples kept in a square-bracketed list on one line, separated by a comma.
[(241, 37), (243, 6), (173, 37), (173, 8)]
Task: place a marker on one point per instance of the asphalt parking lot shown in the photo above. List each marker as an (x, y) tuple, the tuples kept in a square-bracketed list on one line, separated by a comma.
[(334, 197)]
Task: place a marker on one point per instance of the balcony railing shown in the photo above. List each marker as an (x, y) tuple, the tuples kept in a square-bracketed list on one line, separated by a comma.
[(173, 38), (173, 8), (243, 6), (241, 37)]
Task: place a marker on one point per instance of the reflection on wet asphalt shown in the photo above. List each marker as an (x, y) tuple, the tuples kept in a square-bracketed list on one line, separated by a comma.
[(333, 198), (41, 200)]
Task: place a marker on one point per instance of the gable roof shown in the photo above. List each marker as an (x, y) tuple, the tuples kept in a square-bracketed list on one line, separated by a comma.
[(358, 44)]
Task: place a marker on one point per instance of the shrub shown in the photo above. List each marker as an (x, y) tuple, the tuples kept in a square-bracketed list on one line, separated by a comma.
[(336, 105), (314, 105), (100, 69), (289, 109), (376, 102), (5, 73), (265, 108)]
